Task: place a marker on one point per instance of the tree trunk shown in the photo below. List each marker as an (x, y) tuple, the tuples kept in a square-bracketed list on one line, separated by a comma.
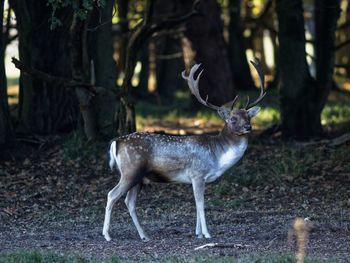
[(206, 35), (300, 120), (80, 72), (168, 69), (302, 98), (6, 132), (101, 52), (44, 107), (124, 28), (142, 89), (236, 49), (326, 16)]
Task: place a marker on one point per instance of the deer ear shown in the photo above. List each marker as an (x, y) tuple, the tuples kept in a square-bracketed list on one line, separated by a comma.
[(253, 111), (224, 113)]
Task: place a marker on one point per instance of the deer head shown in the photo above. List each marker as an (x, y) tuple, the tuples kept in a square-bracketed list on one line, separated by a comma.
[(237, 120)]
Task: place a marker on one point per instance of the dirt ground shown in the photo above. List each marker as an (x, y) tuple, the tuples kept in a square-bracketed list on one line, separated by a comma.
[(51, 203)]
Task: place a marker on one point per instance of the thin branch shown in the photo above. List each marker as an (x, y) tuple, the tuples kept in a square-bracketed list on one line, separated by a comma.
[(310, 41), (267, 7), (311, 56), (95, 28), (10, 39), (343, 26), (69, 83), (169, 56), (173, 21), (346, 66), (143, 31), (342, 44)]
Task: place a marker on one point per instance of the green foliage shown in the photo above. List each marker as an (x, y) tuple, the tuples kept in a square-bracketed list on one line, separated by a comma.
[(336, 113), (49, 257), (267, 116), (75, 146), (80, 11), (55, 257)]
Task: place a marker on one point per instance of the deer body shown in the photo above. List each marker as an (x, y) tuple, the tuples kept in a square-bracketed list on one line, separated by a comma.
[(195, 160), (161, 157)]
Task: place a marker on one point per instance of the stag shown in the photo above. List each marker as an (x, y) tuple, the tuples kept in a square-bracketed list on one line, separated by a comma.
[(196, 160)]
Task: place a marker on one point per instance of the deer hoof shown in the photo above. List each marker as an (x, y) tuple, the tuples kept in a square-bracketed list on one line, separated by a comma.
[(199, 235), (145, 239), (207, 235), (107, 237)]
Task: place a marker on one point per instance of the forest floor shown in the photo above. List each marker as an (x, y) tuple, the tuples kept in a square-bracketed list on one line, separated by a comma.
[(52, 203)]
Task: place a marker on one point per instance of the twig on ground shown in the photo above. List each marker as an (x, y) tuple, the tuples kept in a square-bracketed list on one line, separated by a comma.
[(227, 245)]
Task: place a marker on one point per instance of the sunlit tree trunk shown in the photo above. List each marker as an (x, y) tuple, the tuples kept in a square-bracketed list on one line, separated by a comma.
[(6, 131)]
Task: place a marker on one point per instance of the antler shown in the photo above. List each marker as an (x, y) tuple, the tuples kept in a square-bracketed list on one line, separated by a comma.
[(193, 85), (257, 67)]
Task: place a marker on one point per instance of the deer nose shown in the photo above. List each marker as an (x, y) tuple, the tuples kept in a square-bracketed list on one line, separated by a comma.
[(247, 127)]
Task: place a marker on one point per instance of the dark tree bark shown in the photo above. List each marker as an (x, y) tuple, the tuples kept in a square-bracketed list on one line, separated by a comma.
[(142, 32), (6, 132), (296, 85), (101, 52), (327, 13), (236, 49), (302, 99), (124, 28), (206, 34), (168, 69), (44, 107), (142, 89)]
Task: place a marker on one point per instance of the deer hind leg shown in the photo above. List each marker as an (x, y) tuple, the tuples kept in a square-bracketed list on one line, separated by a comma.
[(118, 191), (198, 189), (130, 202)]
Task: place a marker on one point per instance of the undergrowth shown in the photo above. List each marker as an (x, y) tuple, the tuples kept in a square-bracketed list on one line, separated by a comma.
[(56, 257), (49, 257), (76, 146)]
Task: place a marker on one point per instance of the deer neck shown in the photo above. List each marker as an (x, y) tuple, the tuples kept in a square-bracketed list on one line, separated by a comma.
[(230, 147)]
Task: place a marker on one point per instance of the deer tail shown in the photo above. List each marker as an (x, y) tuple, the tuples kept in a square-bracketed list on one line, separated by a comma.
[(113, 155)]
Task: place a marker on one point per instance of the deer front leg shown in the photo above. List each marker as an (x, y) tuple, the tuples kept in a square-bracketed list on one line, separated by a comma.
[(198, 226), (198, 185), (130, 202)]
